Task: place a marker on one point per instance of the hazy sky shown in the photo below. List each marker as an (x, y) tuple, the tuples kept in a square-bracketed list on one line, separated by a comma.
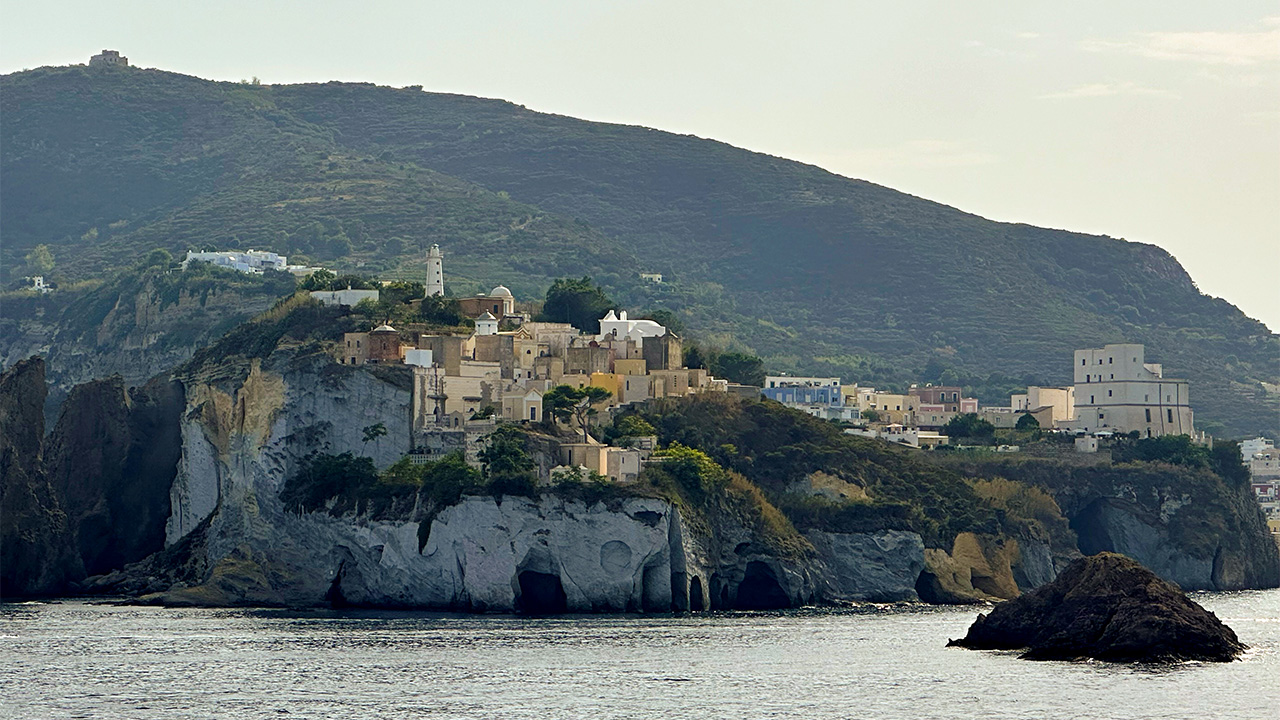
[(1157, 122)]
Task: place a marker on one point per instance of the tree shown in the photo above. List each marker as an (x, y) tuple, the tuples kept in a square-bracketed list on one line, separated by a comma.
[(580, 303), (355, 282), (694, 357), (634, 426), (158, 258), (739, 368), (969, 425), (507, 465), (381, 311), (872, 415), (667, 319), (441, 310), (319, 280), (565, 401), (1027, 422), (402, 291), (373, 432), (40, 260), (557, 403)]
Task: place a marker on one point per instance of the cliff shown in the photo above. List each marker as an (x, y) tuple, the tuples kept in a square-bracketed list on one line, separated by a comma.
[(37, 552), (111, 458), (234, 541), (192, 490), (140, 324), (1192, 521)]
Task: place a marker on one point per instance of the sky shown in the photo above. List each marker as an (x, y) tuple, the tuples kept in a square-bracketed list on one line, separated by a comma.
[(1156, 122)]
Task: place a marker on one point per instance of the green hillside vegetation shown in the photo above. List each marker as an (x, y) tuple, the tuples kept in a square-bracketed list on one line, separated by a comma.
[(1209, 483), (814, 272), (778, 450)]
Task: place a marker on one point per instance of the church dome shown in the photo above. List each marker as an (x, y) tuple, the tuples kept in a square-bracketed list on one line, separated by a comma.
[(500, 291)]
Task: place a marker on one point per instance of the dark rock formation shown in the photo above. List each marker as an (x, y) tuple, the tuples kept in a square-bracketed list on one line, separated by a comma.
[(112, 458), (37, 555), (1108, 607)]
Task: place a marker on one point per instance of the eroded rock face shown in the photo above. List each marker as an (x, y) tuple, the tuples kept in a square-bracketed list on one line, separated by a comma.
[(980, 568), (112, 458), (37, 553), (1107, 607), (876, 567), (241, 439)]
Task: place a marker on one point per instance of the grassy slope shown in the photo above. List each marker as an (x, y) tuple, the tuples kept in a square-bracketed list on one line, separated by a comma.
[(817, 272)]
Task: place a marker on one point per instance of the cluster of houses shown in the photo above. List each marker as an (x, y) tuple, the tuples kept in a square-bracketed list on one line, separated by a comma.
[(1263, 459), (463, 382), (1115, 392)]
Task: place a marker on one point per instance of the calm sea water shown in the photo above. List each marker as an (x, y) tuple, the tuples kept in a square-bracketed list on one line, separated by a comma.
[(83, 660)]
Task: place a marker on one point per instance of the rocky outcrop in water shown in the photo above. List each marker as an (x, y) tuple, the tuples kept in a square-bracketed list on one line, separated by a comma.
[(1107, 607), (37, 552)]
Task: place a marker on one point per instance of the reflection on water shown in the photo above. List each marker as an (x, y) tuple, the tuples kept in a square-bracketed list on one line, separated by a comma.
[(75, 659)]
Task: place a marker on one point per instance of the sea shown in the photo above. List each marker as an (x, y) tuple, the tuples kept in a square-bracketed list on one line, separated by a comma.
[(77, 659)]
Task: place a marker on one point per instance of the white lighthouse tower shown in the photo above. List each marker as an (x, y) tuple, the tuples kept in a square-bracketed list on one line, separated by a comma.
[(435, 271)]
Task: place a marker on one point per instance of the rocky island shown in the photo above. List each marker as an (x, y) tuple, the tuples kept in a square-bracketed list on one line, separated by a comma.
[(1105, 607)]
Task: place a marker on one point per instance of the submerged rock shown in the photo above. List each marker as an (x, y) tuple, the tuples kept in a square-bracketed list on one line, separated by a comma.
[(1107, 607)]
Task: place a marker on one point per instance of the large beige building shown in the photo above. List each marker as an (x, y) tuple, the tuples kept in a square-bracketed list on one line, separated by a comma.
[(1060, 400), (1116, 389)]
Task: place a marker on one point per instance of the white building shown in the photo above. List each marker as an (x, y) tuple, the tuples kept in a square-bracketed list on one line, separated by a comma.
[(348, 297), (1254, 446), (247, 261), (435, 271), (1117, 390), (487, 324), (619, 326), (789, 381)]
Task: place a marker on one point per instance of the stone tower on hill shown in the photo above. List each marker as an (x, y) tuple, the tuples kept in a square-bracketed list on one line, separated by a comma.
[(435, 271), (109, 58)]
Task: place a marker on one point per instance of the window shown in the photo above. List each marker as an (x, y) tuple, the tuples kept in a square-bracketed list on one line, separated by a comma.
[(1108, 361), (1090, 399), (1148, 411), (1081, 361), (1170, 411), (1113, 376), (1108, 393)]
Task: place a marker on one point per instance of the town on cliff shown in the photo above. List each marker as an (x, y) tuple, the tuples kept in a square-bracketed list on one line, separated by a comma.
[(502, 365)]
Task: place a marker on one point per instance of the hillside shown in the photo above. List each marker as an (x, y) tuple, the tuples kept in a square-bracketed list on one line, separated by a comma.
[(816, 272)]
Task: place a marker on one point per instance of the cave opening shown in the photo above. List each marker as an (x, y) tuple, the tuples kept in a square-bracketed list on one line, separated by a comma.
[(928, 589), (1090, 526), (696, 603), (760, 589), (541, 594), (655, 596)]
